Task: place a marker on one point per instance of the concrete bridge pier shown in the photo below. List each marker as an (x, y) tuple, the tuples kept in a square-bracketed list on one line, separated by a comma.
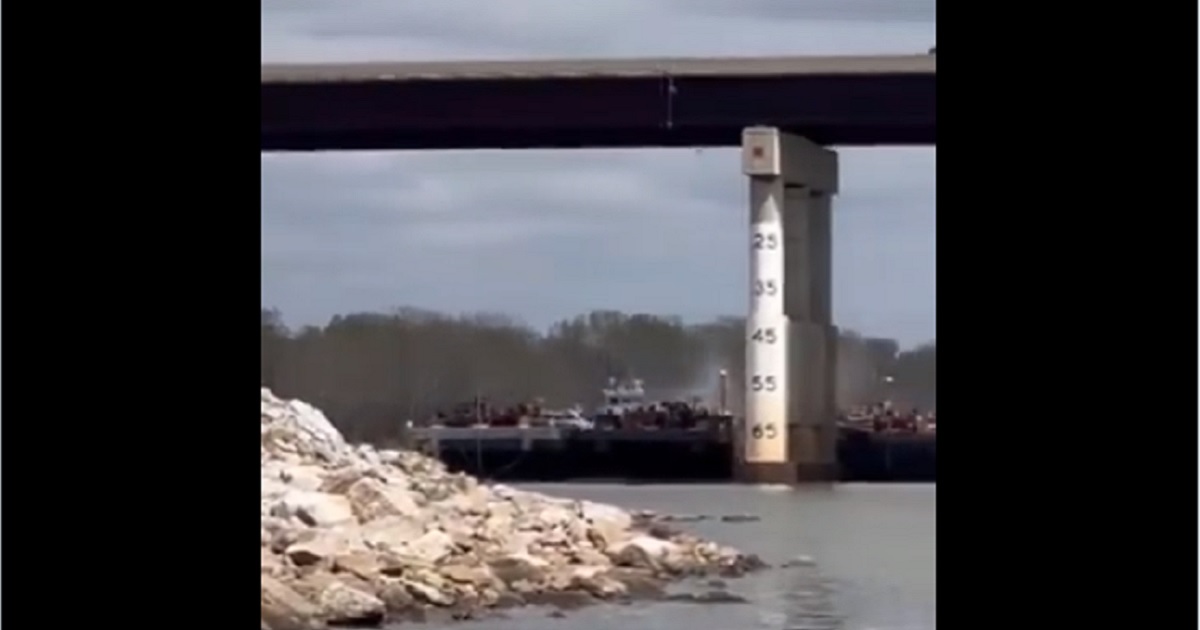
[(790, 433)]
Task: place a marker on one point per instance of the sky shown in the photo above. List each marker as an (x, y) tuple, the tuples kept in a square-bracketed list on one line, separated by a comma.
[(544, 235)]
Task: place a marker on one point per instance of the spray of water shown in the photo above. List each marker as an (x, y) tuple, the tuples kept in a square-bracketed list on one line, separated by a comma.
[(705, 385)]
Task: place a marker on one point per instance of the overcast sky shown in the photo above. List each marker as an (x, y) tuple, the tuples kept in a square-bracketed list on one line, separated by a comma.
[(544, 235)]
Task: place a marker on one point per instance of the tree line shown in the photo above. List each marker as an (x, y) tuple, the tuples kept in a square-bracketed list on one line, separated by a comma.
[(371, 371)]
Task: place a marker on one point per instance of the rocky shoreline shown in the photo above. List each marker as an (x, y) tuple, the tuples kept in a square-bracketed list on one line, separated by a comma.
[(357, 536)]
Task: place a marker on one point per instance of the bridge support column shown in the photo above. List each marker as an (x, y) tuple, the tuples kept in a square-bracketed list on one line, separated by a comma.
[(789, 433)]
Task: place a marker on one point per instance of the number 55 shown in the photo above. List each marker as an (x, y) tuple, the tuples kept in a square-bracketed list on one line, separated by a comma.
[(762, 383)]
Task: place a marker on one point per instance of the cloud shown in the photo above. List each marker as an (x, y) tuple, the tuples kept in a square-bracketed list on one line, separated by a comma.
[(544, 234), (385, 29)]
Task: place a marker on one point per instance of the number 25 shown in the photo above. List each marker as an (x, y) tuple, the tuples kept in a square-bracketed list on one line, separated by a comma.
[(765, 241)]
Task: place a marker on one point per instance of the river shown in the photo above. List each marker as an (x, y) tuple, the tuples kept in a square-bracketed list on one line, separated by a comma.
[(872, 549)]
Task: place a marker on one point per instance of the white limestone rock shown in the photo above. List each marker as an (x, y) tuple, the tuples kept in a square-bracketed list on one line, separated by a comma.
[(392, 533), (294, 426), (316, 509), (372, 499), (345, 605), (322, 546), (351, 534), (283, 607)]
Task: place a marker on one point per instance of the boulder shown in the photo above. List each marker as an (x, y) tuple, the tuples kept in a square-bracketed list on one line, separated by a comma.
[(293, 426), (340, 479), (612, 516), (552, 516), (321, 547), (597, 582), (519, 567), (432, 546), (371, 499), (589, 556), (392, 532), (639, 583), (315, 509), (395, 596), (361, 563), (344, 605), (428, 594), (467, 574), (272, 563), (643, 552), (603, 537), (272, 488), (285, 609), (301, 476), (470, 499)]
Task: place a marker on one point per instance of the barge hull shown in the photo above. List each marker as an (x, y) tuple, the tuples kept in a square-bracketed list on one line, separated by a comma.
[(671, 457)]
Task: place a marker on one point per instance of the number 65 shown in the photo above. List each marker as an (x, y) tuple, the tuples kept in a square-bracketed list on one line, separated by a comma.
[(760, 431)]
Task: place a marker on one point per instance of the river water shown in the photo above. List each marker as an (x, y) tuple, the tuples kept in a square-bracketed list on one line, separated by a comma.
[(872, 551)]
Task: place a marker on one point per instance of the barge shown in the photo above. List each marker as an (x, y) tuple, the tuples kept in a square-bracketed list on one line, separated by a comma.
[(631, 440)]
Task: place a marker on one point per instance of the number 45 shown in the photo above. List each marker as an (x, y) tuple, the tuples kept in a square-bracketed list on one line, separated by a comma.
[(762, 383), (764, 335)]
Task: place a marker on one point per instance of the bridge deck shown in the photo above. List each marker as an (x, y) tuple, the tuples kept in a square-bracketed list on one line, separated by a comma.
[(598, 68)]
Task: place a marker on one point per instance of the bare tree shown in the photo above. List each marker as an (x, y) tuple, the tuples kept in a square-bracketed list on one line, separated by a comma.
[(373, 371)]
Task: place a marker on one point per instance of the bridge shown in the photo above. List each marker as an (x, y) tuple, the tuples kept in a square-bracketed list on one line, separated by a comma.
[(784, 113), (602, 103)]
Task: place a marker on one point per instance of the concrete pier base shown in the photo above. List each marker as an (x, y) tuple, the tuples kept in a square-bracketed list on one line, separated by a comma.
[(790, 431), (787, 473), (814, 452)]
